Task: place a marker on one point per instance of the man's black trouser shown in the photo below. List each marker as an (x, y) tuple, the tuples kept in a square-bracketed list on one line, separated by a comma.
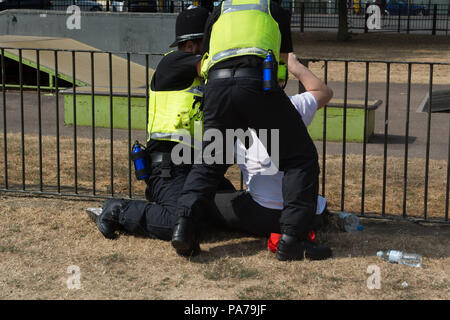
[(240, 103), (156, 219), (241, 213)]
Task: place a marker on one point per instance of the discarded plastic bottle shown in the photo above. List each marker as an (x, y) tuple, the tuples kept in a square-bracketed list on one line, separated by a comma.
[(394, 256), (267, 72), (349, 222)]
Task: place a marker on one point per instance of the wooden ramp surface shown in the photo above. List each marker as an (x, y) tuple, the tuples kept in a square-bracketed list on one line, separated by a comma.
[(83, 73)]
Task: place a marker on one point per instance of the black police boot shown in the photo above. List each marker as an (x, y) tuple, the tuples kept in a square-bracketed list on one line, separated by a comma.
[(184, 237), (292, 248), (108, 221)]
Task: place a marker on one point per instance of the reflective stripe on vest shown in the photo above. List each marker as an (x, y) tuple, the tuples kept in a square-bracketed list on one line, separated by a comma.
[(236, 5), (244, 27), (172, 114)]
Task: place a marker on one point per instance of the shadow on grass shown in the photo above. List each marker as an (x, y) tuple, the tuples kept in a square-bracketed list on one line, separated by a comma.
[(228, 243), (245, 248)]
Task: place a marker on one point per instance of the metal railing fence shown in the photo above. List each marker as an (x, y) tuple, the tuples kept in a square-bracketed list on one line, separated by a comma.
[(44, 155), (102, 5), (425, 18)]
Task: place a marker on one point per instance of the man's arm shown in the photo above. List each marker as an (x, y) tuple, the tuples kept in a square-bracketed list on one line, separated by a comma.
[(312, 84)]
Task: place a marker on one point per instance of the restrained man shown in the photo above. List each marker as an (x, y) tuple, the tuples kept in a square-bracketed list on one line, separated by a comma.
[(239, 36), (255, 211)]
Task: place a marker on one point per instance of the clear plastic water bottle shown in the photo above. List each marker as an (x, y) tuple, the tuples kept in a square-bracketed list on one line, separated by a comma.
[(394, 256), (349, 222)]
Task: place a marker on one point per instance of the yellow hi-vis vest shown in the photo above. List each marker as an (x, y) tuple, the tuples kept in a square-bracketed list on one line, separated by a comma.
[(244, 27), (173, 115)]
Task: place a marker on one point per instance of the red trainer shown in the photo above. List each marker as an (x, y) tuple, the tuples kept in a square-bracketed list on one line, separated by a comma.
[(274, 239), (272, 243), (312, 236)]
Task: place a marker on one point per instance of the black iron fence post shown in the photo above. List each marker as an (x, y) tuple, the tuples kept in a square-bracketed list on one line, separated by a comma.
[(434, 19), (301, 88), (366, 16), (93, 121), (172, 7), (302, 17), (22, 118), (399, 20), (107, 5), (405, 163), (5, 131), (409, 17), (448, 176), (448, 14)]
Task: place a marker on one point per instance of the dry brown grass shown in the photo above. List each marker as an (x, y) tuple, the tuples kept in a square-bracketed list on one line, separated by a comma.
[(67, 165), (41, 237), (415, 187), (353, 178)]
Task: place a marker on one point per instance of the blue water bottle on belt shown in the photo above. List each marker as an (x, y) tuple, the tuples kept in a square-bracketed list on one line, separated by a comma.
[(267, 71), (139, 157)]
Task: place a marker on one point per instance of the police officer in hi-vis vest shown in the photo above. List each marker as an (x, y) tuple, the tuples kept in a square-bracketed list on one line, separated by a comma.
[(174, 109), (239, 36)]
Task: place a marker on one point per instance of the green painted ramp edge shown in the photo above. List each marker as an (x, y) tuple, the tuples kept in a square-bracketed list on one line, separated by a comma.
[(335, 116), (335, 124), (102, 111)]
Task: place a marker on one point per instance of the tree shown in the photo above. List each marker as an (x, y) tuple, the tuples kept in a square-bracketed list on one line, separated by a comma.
[(343, 34)]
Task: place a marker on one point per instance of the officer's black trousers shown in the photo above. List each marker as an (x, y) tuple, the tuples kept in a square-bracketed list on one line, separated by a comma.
[(240, 103), (156, 219), (238, 212)]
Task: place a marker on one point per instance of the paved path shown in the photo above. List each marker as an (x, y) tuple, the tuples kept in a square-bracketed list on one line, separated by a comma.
[(396, 121)]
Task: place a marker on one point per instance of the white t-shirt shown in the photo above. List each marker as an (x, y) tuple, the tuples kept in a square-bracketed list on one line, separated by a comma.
[(261, 176)]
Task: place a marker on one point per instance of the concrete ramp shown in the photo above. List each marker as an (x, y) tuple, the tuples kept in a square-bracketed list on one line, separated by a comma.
[(83, 62), (107, 31)]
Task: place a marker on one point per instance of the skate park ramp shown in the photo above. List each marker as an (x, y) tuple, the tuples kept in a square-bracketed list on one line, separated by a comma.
[(104, 69), (146, 32)]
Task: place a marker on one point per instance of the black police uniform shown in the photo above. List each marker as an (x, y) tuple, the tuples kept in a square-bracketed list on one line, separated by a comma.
[(239, 102), (156, 219)]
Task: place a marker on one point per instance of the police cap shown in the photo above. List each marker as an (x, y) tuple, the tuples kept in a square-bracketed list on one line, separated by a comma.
[(190, 25)]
